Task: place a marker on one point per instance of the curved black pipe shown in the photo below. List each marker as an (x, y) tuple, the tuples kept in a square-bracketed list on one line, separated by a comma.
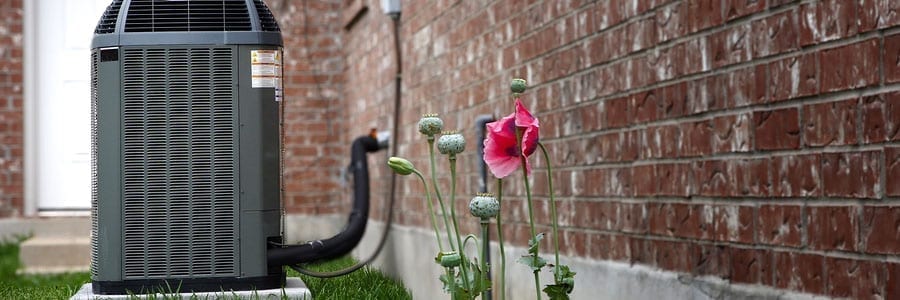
[(343, 242)]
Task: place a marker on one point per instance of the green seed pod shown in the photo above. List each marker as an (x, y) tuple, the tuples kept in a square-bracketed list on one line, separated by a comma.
[(400, 165), (430, 124), (484, 206), (450, 259), (518, 85), (451, 143)]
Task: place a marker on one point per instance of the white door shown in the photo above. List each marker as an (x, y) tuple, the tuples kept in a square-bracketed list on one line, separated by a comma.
[(62, 39)]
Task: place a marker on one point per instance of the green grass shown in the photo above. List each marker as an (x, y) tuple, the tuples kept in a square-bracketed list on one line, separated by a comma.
[(12, 286), (366, 283)]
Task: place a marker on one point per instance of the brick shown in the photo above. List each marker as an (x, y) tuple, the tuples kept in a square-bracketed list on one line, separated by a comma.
[(793, 77), (777, 129), (827, 20), (671, 21), (856, 279), (751, 177), (850, 66), (832, 227), (617, 113), (731, 133), (854, 174), (674, 179), (706, 94), (672, 256), (697, 138), (748, 86), (731, 46), (647, 186), (892, 55), (681, 220), (876, 14), (830, 124), (892, 287), (878, 231), (712, 260), (775, 34), (608, 246), (712, 178), (799, 271), (645, 107), (796, 176), (632, 217), (661, 142), (749, 265), (892, 171), (779, 225), (734, 223), (641, 251), (571, 243), (703, 14), (737, 9), (880, 117), (674, 100)]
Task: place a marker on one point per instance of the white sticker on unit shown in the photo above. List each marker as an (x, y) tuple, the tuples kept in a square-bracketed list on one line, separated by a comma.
[(265, 69)]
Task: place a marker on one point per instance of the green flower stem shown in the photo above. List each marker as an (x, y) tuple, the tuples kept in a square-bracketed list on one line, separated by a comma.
[(552, 207), (485, 226), (451, 281), (500, 240), (437, 192), (437, 233), (462, 252), (537, 278)]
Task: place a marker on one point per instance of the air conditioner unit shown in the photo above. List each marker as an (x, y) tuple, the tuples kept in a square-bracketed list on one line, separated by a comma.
[(185, 146)]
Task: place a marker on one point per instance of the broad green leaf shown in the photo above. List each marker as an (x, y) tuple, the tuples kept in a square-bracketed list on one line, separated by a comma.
[(533, 262)]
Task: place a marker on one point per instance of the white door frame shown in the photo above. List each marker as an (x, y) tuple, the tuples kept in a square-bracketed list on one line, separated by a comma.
[(29, 108)]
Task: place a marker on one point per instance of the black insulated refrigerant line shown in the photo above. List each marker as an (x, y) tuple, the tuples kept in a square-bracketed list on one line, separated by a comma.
[(343, 242)]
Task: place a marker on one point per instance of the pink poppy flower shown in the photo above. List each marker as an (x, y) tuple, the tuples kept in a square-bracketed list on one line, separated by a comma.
[(501, 152)]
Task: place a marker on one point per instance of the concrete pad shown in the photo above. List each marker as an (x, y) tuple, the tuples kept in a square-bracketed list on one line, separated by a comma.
[(294, 288)]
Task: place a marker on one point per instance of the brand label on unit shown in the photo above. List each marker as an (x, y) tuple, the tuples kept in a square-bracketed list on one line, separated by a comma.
[(265, 70)]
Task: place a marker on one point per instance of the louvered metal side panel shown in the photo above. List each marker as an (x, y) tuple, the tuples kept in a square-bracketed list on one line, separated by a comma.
[(179, 163), (95, 246)]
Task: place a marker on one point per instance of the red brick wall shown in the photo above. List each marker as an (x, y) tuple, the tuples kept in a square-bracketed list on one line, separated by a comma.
[(11, 117), (755, 141), (315, 148)]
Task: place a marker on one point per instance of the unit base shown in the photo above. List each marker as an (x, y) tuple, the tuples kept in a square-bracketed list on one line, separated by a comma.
[(186, 285)]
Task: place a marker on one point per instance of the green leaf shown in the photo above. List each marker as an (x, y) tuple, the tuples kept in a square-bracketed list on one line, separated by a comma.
[(565, 283), (478, 279), (533, 262), (534, 243), (557, 292)]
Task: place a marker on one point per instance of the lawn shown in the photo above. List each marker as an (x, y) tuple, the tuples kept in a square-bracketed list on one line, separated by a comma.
[(367, 283)]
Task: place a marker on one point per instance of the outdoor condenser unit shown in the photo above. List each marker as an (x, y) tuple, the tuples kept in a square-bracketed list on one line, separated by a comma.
[(186, 154)]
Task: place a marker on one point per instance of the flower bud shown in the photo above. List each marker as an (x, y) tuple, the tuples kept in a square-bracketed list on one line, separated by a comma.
[(451, 143), (430, 124), (449, 259), (484, 206), (518, 85), (400, 165)]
